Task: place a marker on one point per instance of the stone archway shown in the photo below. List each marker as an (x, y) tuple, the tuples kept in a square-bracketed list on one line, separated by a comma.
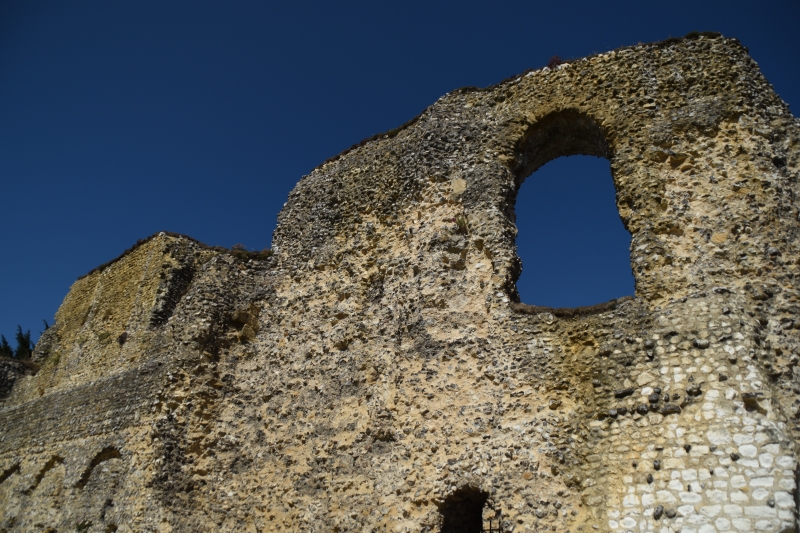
[(462, 511), (558, 134), (564, 133)]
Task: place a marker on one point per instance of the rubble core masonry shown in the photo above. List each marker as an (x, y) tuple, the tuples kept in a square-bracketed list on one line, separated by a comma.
[(378, 374)]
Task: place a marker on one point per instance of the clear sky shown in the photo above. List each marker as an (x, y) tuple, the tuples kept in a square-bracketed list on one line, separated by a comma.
[(121, 119)]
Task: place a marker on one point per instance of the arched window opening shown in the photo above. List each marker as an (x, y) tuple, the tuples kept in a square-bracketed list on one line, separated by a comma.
[(462, 511), (573, 246), (572, 243)]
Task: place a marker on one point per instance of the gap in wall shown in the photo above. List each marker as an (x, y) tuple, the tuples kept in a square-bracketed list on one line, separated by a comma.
[(574, 248), (462, 511)]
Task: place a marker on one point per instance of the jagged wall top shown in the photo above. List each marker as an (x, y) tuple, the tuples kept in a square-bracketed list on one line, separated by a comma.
[(642, 107), (375, 374)]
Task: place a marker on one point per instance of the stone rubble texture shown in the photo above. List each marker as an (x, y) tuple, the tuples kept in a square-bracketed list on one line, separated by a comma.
[(379, 362)]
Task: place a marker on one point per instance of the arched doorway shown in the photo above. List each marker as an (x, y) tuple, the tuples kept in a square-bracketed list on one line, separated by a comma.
[(462, 511)]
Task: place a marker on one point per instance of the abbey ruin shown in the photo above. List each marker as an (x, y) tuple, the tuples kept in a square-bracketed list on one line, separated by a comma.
[(378, 373)]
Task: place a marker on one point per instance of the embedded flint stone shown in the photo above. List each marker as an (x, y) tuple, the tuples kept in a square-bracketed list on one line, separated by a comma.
[(670, 409), (751, 399), (700, 343), (694, 390)]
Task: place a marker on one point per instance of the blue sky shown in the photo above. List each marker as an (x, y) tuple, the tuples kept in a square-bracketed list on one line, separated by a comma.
[(121, 119)]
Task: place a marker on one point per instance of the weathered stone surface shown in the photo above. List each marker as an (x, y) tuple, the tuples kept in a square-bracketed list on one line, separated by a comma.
[(378, 372), (10, 371)]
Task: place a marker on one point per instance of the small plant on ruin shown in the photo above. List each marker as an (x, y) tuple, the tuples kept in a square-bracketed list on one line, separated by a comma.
[(240, 251), (554, 62), (461, 224)]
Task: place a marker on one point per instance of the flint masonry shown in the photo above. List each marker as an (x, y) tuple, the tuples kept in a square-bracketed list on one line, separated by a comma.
[(378, 373)]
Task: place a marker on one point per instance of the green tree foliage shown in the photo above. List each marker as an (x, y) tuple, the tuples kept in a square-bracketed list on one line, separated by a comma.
[(24, 348), (25, 345), (5, 348)]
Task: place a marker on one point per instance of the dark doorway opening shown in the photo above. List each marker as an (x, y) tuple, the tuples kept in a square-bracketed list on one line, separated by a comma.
[(462, 511), (572, 243)]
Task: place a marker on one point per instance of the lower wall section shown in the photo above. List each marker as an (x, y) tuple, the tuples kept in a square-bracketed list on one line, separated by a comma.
[(98, 408), (74, 460), (10, 372)]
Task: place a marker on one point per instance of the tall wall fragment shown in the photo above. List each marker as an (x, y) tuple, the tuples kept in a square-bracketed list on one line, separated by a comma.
[(378, 373)]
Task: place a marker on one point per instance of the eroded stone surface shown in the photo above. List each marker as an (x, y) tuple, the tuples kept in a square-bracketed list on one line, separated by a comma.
[(376, 373)]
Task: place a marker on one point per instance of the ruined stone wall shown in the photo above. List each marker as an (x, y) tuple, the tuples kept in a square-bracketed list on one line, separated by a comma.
[(378, 373)]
